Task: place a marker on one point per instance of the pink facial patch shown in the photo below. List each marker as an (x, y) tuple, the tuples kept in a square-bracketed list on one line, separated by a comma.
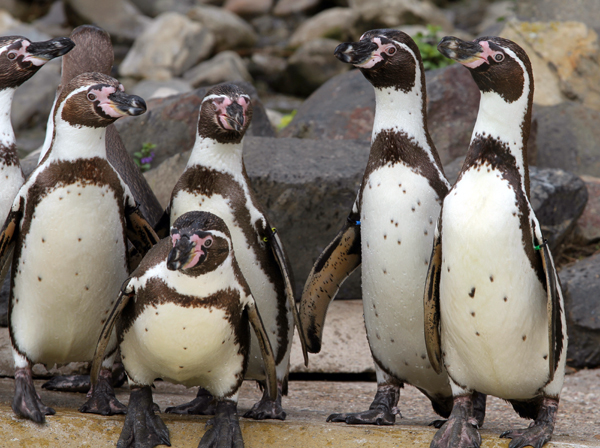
[(27, 57), (483, 56), (198, 252), (175, 238), (106, 104), (376, 56)]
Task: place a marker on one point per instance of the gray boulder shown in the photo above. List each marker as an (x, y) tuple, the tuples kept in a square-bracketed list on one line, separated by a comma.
[(581, 283), (248, 8), (332, 23), (585, 11), (288, 7), (374, 14), (227, 66), (154, 8), (149, 89), (588, 225)]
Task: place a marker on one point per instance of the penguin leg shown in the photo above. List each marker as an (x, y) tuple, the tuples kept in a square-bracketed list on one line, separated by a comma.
[(540, 431), (441, 408), (266, 408), (203, 404), (224, 428), (460, 430), (26, 401), (81, 383), (143, 428), (101, 398), (383, 409)]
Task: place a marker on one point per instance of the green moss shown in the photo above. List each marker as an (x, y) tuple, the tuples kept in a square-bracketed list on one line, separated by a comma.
[(427, 44)]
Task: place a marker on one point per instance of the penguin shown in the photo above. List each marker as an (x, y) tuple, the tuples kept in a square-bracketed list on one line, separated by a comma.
[(69, 226), (185, 316), (389, 231), (215, 180), (494, 312)]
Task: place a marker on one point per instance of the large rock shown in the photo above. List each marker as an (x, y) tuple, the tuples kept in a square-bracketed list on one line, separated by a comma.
[(227, 66), (248, 8), (171, 123), (149, 89), (374, 14), (585, 11), (588, 225), (154, 8), (231, 32), (288, 7), (169, 46), (581, 283), (333, 23)]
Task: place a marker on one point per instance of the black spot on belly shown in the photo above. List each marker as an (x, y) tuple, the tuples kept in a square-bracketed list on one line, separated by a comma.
[(385, 271), (505, 299), (39, 278), (399, 242), (392, 341), (423, 356), (524, 337), (377, 336), (473, 313), (448, 268), (545, 356), (477, 333), (472, 293), (491, 278), (385, 236)]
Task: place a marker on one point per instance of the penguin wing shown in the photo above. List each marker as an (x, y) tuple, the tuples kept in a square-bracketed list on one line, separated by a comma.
[(431, 303), (10, 230), (339, 259), (125, 294), (265, 347), (162, 226), (138, 231)]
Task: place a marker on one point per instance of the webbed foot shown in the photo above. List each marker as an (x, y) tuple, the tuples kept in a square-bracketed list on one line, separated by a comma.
[(82, 383), (382, 411), (224, 428), (460, 430), (266, 408), (102, 398), (26, 401), (539, 432), (479, 402), (142, 428), (203, 404)]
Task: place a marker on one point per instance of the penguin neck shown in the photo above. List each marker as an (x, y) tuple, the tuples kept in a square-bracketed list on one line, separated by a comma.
[(7, 135), (223, 157), (77, 142)]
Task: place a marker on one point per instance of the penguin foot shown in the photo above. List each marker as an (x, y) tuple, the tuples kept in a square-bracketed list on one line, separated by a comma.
[(142, 428), (539, 432), (437, 424), (224, 429), (460, 430), (382, 411), (203, 404), (26, 401), (479, 403), (266, 408), (102, 398), (82, 383)]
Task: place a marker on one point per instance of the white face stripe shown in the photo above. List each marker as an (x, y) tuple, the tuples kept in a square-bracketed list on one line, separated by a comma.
[(212, 97)]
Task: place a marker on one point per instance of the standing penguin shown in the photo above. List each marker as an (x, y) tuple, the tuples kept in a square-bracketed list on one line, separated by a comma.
[(215, 180), (389, 231), (185, 316), (494, 313), (69, 226)]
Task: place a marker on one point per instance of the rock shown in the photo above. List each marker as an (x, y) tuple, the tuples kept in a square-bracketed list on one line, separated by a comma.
[(226, 66), (148, 89), (588, 225), (333, 23), (580, 283), (27, 11), (248, 8), (154, 8), (374, 14), (119, 17), (266, 67), (273, 32), (565, 58), (7, 21), (568, 136), (10, 26), (230, 31), (585, 11), (310, 66), (496, 13), (171, 123), (288, 7), (169, 46), (55, 22), (558, 199)]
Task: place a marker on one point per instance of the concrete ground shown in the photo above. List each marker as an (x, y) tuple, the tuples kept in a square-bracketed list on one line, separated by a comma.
[(308, 404)]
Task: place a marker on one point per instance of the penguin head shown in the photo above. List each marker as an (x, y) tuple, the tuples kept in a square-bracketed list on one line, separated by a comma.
[(387, 58), (20, 58), (201, 242), (225, 114), (96, 100), (497, 65)]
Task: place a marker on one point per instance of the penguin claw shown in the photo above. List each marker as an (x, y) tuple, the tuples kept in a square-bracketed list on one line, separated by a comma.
[(224, 429), (102, 398), (460, 430), (380, 417), (535, 436), (437, 424), (68, 383), (266, 408), (142, 428), (203, 404), (26, 402)]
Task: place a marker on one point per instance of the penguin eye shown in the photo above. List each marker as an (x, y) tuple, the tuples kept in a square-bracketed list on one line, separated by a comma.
[(391, 50), (208, 243), (499, 57), (12, 55), (91, 96)]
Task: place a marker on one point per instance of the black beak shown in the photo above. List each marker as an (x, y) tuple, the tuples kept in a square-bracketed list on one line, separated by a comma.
[(51, 49), (235, 116), (355, 52), (128, 104), (460, 50), (180, 254)]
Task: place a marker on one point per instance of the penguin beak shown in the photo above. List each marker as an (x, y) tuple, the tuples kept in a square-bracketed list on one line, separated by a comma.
[(124, 104), (356, 53), (462, 51), (234, 118), (188, 252), (38, 53)]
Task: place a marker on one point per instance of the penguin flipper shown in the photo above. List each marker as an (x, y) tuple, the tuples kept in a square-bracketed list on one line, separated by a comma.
[(277, 249), (335, 264), (10, 230), (265, 348), (162, 225), (433, 340), (125, 294), (139, 232)]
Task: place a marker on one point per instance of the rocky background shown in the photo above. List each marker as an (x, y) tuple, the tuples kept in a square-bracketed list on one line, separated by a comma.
[(307, 171)]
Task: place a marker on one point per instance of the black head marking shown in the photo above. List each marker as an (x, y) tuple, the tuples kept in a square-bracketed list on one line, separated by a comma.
[(225, 114), (387, 58)]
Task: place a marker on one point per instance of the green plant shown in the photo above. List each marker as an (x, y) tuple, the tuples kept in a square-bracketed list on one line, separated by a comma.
[(286, 119), (144, 157), (427, 44)]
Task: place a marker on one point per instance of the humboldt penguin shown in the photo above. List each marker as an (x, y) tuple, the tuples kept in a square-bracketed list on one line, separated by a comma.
[(389, 231), (494, 312), (185, 316), (69, 226), (215, 180)]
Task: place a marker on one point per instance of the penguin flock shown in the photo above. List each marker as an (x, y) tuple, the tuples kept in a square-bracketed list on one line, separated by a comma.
[(461, 298)]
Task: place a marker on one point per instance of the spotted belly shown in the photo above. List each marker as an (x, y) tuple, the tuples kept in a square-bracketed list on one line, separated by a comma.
[(494, 324), (11, 180), (398, 214), (190, 346), (70, 269)]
